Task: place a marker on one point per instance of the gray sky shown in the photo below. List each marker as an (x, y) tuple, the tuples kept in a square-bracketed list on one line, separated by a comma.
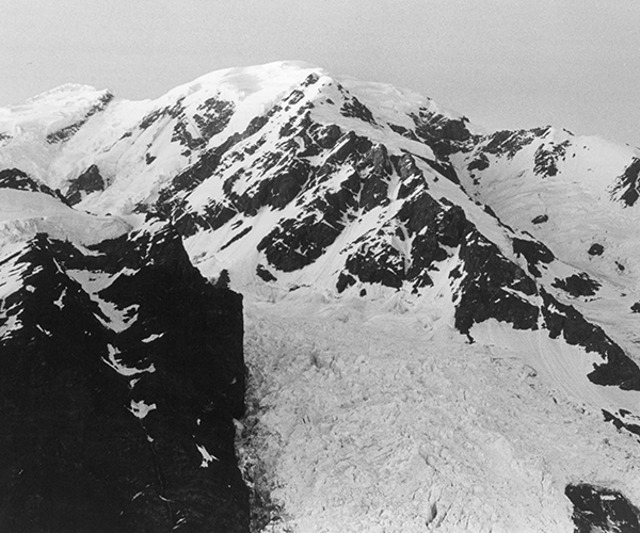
[(503, 63)]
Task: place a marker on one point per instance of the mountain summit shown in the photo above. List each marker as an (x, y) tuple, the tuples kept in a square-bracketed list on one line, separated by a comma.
[(480, 288)]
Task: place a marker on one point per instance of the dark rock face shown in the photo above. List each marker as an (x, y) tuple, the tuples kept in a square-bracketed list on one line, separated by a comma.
[(509, 143), (405, 132), (484, 287), (411, 176), (213, 116), (263, 273), (13, 178), (376, 261), (626, 187), (480, 163), (67, 132), (491, 286), (278, 190), (356, 109), (445, 169), (186, 136), (104, 426), (236, 237), (578, 285), (87, 182), (547, 157), (296, 243), (596, 249), (345, 281), (534, 252), (620, 423), (443, 134), (432, 226), (601, 509), (328, 136), (617, 370), (173, 111), (424, 222), (171, 203), (193, 132)]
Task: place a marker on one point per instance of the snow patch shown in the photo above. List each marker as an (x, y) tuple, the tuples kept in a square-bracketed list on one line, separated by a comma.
[(140, 409), (123, 370), (207, 458), (152, 337), (58, 303)]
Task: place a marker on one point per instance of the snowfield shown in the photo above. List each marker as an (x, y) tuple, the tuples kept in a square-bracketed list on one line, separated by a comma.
[(385, 421)]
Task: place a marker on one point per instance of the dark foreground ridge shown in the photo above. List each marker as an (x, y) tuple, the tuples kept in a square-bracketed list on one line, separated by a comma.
[(119, 427), (600, 509)]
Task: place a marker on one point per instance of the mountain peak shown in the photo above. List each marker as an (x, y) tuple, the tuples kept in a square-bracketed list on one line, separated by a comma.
[(66, 91), (271, 81), (303, 190)]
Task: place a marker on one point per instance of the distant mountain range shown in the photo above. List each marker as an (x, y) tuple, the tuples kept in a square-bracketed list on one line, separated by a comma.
[(123, 225)]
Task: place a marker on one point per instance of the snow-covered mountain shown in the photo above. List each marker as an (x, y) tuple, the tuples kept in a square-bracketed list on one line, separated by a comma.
[(440, 320)]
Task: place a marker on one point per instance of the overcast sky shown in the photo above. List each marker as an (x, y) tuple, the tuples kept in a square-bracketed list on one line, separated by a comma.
[(503, 63)]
